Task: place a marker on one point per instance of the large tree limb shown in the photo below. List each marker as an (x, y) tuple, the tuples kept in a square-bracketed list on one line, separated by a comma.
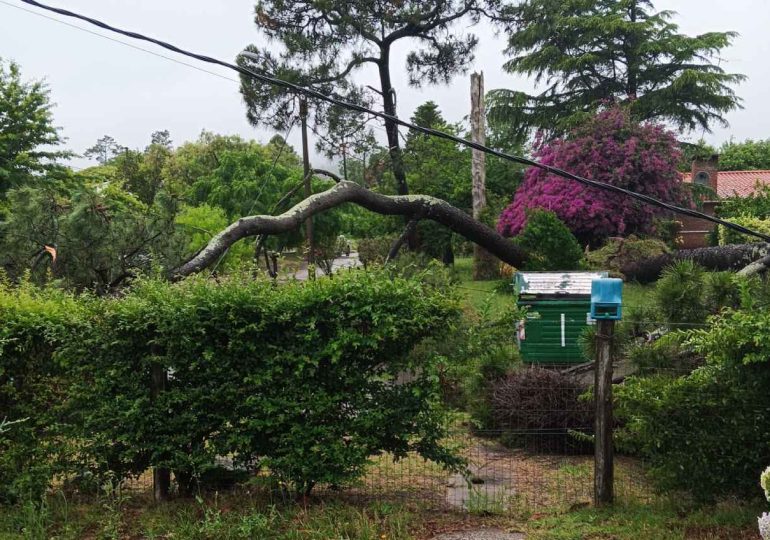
[(350, 192), (748, 258)]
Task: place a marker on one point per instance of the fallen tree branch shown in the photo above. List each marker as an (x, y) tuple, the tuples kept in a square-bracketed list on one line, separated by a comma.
[(747, 258), (350, 192)]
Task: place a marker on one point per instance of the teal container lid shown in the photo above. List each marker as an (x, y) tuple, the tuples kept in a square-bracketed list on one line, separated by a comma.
[(606, 298)]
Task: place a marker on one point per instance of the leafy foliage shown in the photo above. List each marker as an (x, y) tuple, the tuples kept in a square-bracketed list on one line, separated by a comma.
[(299, 379), (592, 52), (549, 243), (756, 205), (610, 148), (706, 432), (27, 133), (746, 155), (620, 252), (729, 236)]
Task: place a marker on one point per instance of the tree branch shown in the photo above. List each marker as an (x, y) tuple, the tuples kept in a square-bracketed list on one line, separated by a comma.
[(396, 247), (344, 192)]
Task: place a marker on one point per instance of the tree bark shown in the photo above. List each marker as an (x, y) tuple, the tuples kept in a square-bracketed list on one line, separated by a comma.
[(391, 128), (484, 264), (350, 192), (748, 258)]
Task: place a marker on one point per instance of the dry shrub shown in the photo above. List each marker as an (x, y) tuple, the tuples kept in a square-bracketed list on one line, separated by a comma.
[(539, 408)]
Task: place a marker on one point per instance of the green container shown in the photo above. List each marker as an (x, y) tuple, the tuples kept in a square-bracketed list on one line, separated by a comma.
[(558, 310), (552, 329)]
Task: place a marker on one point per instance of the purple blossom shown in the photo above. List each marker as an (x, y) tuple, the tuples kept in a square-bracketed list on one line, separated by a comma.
[(610, 148)]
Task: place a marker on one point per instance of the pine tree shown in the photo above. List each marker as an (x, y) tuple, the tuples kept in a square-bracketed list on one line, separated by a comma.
[(324, 43), (590, 52)]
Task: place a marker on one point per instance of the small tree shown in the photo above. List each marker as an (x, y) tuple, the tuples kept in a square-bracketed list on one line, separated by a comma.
[(549, 243), (27, 133), (610, 148)]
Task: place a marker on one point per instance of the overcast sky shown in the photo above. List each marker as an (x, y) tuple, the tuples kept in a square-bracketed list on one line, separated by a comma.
[(102, 87)]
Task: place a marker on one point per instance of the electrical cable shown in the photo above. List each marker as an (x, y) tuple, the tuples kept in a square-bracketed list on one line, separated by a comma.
[(309, 92)]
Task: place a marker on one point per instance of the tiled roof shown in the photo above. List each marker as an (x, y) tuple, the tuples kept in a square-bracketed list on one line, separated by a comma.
[(740, 183)]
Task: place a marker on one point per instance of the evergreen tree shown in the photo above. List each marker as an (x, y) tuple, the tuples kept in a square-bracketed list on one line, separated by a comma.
[(324, 43), (27, 133), (590, 52)]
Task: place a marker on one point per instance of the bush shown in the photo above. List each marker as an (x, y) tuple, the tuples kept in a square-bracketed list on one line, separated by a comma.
[(35, 323), (729, 236), (707, 432), (375, 250), (618, 253), (537, 408), (679, 293), (548, 242), (298, 379)]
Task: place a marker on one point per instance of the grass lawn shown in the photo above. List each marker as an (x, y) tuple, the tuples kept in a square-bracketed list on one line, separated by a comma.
[(477, 293), (244, 515)]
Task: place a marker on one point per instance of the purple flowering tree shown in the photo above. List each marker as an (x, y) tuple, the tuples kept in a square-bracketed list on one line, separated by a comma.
[(609, 148)]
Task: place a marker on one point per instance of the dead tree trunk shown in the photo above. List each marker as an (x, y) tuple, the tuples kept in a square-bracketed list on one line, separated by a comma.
[(748, 258), (484, 264), (349, 192)]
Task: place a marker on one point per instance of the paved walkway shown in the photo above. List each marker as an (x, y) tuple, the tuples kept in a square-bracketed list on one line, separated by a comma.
[(346, 261)]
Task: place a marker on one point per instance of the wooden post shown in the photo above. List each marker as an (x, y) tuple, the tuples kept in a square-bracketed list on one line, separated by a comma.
[(484, 264), (161, 477), (308, 188), (603, 453)]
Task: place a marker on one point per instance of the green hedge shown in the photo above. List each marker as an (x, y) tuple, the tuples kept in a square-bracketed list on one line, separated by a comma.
[(299, 379), (729, 236), (707, 432)]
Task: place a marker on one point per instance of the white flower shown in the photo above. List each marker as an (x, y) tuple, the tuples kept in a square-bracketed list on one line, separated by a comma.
[(764, 526), (764, 480)]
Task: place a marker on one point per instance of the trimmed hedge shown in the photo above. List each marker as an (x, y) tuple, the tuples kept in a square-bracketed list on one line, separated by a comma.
[(298, 379)]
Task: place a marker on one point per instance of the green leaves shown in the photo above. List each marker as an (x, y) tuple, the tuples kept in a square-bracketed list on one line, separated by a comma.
[(297, 379), (588, 53)]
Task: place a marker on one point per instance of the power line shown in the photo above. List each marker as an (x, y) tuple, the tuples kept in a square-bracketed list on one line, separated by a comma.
[(97, 34), (309, 92)]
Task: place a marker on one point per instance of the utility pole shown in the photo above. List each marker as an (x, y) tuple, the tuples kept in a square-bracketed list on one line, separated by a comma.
[(484, 264), (308, 188), (603, 453)]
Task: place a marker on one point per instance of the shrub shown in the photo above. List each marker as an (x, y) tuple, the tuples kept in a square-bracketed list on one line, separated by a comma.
[(729, 236), (375, 250), (548, 242), (612, 148), (536, 408), (707, 432), (618, 253), (35, 323), (679, 293), (299, 379)]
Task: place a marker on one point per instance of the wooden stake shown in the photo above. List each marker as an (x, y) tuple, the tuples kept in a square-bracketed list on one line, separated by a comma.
[(161, 477), (603, 452)]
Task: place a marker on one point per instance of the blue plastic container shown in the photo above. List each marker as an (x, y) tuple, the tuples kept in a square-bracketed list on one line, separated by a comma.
[(606, 299)]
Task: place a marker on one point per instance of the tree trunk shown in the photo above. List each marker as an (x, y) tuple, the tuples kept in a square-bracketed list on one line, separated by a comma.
[(745, 257), (391, 129), (484, 264), (349, 192)]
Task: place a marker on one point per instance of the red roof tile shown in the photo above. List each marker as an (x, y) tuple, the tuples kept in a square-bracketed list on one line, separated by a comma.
[(740, 183)]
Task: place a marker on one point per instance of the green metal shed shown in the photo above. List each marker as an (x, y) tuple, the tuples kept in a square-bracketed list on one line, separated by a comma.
[(558, 307)]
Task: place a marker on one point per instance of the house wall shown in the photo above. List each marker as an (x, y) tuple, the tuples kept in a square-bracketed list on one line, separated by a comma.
[(695, 231)]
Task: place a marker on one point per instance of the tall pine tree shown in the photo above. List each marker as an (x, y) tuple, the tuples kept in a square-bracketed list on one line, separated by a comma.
[(325, 43), (589, 52)]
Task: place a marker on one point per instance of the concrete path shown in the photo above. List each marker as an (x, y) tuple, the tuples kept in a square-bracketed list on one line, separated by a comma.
[(346, 261)]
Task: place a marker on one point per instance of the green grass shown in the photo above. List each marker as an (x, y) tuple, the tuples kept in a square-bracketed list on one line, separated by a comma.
[(242, 515), (478, 294), (635, 294)]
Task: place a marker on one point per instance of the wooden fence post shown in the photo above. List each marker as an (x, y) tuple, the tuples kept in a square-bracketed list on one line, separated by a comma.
[(161, 477), (603, 453)]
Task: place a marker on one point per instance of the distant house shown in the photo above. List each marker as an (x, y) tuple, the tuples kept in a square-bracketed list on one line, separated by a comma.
[(725, 184)]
